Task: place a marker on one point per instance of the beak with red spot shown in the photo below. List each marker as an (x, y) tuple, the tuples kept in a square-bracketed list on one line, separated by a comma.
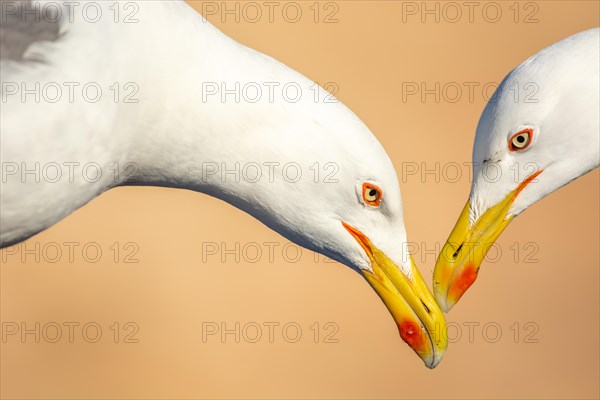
[(419, 319), (458, 263)]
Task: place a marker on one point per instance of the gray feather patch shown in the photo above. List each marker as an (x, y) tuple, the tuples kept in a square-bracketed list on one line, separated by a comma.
[(22, 23)]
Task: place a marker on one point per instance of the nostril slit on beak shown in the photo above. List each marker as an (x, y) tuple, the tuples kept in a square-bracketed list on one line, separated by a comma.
[(425, 305), (457, 251)]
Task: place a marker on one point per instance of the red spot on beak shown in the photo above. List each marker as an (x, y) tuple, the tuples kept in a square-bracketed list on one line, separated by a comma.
[(462, 282), (411, 333)]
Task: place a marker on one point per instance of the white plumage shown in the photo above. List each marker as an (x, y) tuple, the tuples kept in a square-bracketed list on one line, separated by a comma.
[(313, 154), (538, 132), (556, 93)]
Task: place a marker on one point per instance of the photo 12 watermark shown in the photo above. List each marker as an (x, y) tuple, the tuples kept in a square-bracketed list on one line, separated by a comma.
[(492, 332), (67, 171), (467, 92), (269, 332), (453, 12), (269, 172), (253, 12), (69, 91), (455, 172), (271, 92), (74, 252), (69, 332), (92, 12)]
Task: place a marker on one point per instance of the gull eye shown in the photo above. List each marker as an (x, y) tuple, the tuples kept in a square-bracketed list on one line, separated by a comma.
[(371, 194), (520, 140)]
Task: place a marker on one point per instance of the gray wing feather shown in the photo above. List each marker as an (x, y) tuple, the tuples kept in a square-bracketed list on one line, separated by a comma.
[(22, 24)]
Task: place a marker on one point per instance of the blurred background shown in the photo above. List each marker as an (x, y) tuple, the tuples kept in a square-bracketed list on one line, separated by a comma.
[(174, 294)]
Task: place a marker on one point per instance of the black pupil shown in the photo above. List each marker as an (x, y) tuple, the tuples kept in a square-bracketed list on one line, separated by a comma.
[(520, 139), (372, 193)]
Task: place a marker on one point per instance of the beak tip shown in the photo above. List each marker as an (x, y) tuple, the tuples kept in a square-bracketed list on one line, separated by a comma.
[(451, 291), (427, 344), (446, 306), (433, 361)]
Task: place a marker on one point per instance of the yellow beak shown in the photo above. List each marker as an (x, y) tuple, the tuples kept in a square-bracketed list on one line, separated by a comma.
[(419, 319), (458, 263)]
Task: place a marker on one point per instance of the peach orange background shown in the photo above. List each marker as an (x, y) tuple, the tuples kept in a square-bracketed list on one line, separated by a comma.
[(544, 301)]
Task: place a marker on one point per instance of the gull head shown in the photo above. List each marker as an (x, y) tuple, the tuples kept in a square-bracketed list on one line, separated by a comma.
[(538, 132), (334, 190)]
